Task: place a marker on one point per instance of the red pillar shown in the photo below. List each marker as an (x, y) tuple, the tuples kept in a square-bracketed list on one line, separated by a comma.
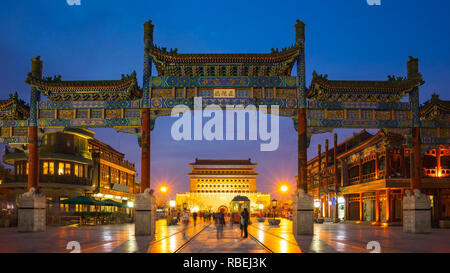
[(302, 146), (319, 154), (33, 149), (377, 207), (416, 180), (388, 205), (387, 164), (145, 150), (376, 165), (336, 178), (438, 162), (360, 206)]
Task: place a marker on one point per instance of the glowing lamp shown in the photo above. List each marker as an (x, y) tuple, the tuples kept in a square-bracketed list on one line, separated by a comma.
[(172, 203), (274, 203)]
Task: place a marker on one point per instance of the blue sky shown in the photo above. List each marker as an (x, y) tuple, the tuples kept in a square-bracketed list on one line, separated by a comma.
[(103, 39)]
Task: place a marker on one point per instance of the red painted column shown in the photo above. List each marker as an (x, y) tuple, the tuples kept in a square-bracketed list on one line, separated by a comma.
[(418, 170), (319, 154), (377, 207), (361, 207), (388, 205), (402, 162), (33, 158), (302, 146), (438, 162), (376, 165), (387, 164), (145, 150), (336, 178)]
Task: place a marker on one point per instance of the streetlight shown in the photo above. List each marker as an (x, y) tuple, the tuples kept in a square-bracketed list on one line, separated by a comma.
[(284, 188), (261, 207), (172, 205), (274, 206), (163, 189)]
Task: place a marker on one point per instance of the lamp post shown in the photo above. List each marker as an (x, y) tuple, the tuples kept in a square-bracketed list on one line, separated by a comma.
[(274, 206), (172, 205), (261, 207)]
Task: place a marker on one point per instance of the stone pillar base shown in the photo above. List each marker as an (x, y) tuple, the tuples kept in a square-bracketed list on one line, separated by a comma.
[(416, 212), (31, 212), (303, 218), (145, 206)]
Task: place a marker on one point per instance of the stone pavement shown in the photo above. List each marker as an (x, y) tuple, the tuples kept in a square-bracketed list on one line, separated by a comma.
[(279, 239), (327, 238), (332, 238), (207, 242)]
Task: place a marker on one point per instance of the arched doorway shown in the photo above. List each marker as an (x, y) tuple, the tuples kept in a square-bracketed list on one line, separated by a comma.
[(225, 209)]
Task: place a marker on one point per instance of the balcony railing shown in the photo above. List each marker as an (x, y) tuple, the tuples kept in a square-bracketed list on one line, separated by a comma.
[(115, 160), (59, 179)]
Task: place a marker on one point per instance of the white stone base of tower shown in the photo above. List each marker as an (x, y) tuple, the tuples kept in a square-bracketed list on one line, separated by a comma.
[(31, 212), (416, 212), (303, 218), (145, 206)]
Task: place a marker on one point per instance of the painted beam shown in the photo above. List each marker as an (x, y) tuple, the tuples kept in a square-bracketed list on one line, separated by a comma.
[(354, 105), (69, 105), (13, 140), (341, 123), (220, 82), (94, 123)]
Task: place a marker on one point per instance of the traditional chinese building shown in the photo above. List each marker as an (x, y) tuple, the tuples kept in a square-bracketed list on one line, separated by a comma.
[(73, 163), (365, 178), (214, 184)]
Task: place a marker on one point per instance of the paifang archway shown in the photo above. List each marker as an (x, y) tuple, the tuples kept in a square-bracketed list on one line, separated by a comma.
[(256, 79)]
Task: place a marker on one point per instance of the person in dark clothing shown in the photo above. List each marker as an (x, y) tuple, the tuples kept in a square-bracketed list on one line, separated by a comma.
[(220, 223), (246, 220), (194, 216)]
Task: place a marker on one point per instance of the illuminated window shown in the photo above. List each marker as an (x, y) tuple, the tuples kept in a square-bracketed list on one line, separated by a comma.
[(67, 169), (51, 168), (60, 168), (45, 167), (28, 167)]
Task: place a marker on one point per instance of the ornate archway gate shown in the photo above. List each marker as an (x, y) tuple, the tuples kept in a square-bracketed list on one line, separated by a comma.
[(257, 79)]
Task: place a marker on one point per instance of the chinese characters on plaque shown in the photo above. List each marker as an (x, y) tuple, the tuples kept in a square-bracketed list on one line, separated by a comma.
[(224, 93)]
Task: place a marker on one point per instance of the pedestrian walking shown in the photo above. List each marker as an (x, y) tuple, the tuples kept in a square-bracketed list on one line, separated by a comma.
[(246, 218), (220, 223), (241, 223), (185, 220), (194, 217)]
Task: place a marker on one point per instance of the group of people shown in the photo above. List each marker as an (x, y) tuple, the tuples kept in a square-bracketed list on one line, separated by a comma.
[(219, 220)]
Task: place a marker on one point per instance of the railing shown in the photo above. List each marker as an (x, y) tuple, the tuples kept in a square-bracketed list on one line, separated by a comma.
[(123, 163), (434, 172), (60, 179), (368, 177), (354, 180)]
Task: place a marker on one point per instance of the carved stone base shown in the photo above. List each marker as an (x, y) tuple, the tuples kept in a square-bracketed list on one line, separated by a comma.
[(416, 212), (145, 206), (31, 212), (303, 218)]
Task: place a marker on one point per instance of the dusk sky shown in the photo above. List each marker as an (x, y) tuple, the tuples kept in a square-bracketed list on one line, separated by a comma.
[(100, 40)]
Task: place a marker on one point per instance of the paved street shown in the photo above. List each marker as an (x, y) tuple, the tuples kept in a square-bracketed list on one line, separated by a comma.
[(202, 238)]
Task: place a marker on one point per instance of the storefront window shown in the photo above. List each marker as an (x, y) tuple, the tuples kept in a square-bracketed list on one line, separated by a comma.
[(67, 169), (45, 167), (60, 168), (51, 168)]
